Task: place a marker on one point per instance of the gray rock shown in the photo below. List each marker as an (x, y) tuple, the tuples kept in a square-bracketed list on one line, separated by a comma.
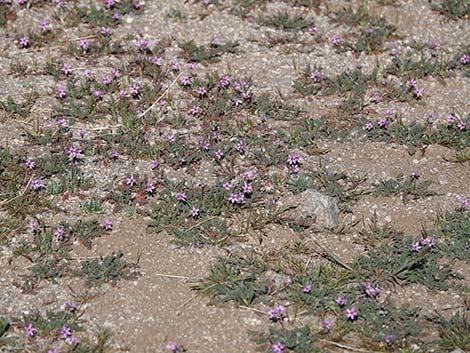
[(312, 208)]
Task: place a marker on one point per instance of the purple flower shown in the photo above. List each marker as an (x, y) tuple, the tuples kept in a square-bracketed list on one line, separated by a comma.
[(157, 60), (418, 92), (462, 126), (33, 227), (278, 347), (416, 247), (29, 330), (30, 164), (37, 184), (44, 25), (451, 119), (61, 93), (202, 91), (24, 42), (74, 153), (465, 59), (411, 83), (131, 180), (416, 174), (116, 73), (88, 75), (195, 110), (105, 31), (194, 212), (59, 3), (55, 350), (150, 187), (277, 313), (71, 306), (247, 189), (369, 30), (181, 196), (174, 65), (240, 147), (327, 325), (294, 159), (66, 69), (388, 340), (154, 164), (107, 225), (137, 5), (236, 198), (312, 30), (370, 291), (227, 185), (173, 347), (109, 4), (65, 332), (224, 81), (59, 233), (114, 154), (307, 289), (98, 95), (84, 44), (186, 80), (335, 40), (429, 242), (116, 16), (315, 76), (464, 203), (351, 314), (382, 123), (134, 90), (340, 301), (435, 45), (219, 154)]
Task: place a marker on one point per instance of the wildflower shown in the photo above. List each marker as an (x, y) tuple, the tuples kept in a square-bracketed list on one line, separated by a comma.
[(71, 306), (87, 74), (137, 5), (134, 90), (59, 3), (370, 291), (74, 340), (327, 325), (416, 247), (462, 126), (435, 45), (109, 4), (44, 25), (340, 301), (66, 69), (246, 95), (171, 138), (224, 81), (202, 91), (294, 159), (61, 93), (150, 187), (465, 59), (113, 154), (312, 30), (278, 347), (73, 152), (29, 330), (116, 16), (107, 80), (33, 227), (131, 180), (204, 144), (451, 119), (382, 123), (105, 31), (418, 92), (80, 133), (411, 83), (227, 185), (37, 184), (351, 314), (219, 154), (143, 44), (55, 350), (236, 198), (247, 188), (464, 203), (429, 242), (30, 164), (335, 40), (98, 95), (195, 110), (240, 147), (194, 212), (388, 340), (59, 233), (277, 313), (174, 65), (369, 30), (307, 289), (157, 60), (107, 225), (181, 196), (186, 80), (84, 44), (315, 76), (24, 42), (65, 332), (154, 164), (173, 347)]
